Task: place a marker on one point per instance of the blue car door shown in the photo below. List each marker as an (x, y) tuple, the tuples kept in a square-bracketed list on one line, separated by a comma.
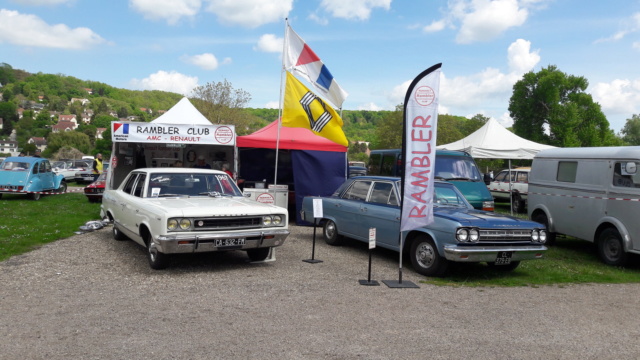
[(382, 212), (46, 175), (348, 210)]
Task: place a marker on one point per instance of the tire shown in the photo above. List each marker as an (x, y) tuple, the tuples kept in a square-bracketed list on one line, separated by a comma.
[(260, 254), (510, 267), (62, 188), (425, 258), (517, 204), (330, 233), (541, 218), (35, 196), (611, 248), (117, 234), (157, 260)]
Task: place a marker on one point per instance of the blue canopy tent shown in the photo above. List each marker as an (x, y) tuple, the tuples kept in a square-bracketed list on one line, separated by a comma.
[(309, 164)]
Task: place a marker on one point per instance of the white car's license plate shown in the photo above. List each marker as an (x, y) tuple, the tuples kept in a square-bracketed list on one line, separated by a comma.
[(504, 258), (229, 242)]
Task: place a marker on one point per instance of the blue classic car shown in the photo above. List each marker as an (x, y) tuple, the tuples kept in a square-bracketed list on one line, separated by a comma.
[(459, 233), (29, 175)]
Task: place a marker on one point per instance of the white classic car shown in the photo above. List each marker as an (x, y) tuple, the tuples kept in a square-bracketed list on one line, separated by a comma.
[(178, 210)]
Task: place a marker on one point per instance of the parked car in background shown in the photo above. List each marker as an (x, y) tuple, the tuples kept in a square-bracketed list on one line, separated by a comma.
[(29, 175), (590, 193), (95, 190), (357, 163), (68, 168), (459, 233), (456, 167), (357, 171), (180, 210), (512, 186), (86, 175)]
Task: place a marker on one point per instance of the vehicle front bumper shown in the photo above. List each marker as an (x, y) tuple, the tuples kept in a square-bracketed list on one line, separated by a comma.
[(489, 253), (190, 243)]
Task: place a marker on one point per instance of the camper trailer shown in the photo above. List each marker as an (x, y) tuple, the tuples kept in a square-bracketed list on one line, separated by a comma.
[(591, 194)]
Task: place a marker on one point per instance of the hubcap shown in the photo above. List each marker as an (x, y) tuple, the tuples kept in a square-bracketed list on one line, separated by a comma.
[(331, 229), (425, 255), (611, 248)]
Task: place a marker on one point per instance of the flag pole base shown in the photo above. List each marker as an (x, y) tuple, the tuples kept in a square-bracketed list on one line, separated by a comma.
[(312, 261), (369, 282), (400, 284)]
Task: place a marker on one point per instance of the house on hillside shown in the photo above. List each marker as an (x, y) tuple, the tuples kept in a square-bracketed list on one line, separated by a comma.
[(20, 113), (86, 118), (99, 132), (39, 142), (71, 118), (82, 102), (9, 147), (64, 126)]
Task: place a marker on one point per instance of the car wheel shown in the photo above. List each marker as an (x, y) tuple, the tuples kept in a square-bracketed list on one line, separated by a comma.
[(36, 196), (517, 204), (330, 232), (260, 254), (541, 218), (611, 249), (117, 234), (157, 260), (425, 258), (62, 188), (509, 267)]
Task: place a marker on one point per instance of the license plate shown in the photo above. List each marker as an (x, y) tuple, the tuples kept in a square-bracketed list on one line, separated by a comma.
[(229, 242), (504, 258)]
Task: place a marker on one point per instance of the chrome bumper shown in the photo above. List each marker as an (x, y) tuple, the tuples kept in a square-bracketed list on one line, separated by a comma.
[(489, 253), (190, 243)]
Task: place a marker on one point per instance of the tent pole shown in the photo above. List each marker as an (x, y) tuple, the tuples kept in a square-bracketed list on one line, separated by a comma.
[(510, 184), (282, 70)]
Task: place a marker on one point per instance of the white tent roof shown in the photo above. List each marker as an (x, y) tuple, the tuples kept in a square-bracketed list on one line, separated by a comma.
[(494, 141), (183, 113)]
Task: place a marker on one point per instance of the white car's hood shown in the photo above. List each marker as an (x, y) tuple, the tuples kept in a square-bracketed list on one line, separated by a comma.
[(203, 206)]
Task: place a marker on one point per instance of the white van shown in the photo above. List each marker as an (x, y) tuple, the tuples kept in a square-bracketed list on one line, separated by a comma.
[(591, 194)]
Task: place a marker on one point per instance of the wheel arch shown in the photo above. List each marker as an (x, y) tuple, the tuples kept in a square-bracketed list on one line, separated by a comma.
[(611, 222), (541, 209), (412, 235)]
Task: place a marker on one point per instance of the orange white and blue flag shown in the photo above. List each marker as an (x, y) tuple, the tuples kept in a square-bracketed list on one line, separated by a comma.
[(299, 57)]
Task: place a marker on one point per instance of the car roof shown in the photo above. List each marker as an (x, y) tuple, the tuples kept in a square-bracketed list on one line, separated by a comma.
[(178, 170), (25, 159)]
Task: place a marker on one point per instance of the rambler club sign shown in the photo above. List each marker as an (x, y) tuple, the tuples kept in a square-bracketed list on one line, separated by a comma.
[(172, 133)]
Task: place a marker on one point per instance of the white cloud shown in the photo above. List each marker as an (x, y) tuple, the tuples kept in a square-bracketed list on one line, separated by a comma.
[(272, 105), (170, 10), (354, 9), (485, 20), (435, 26), (317, 19), (30, 30), (620, 96), (167, 81), (204, 61), (521, 59), (630, 25), (249, 13), (269, 43), (370, 106)]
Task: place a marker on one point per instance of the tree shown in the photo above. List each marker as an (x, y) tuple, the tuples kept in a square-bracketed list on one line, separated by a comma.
[(388, 134), (74, 139), (631, 130), (222, 104), (551, 107), (104, 145), (8, 113)]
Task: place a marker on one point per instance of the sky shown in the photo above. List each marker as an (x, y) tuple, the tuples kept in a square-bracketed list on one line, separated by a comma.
[(373, 48)]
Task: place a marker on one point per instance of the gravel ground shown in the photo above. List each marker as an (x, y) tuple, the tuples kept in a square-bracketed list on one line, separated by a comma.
[(90, 297)]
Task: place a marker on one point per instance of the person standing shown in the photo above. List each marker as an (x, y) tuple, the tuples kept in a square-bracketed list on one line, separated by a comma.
[(97, 166), (201, 164)]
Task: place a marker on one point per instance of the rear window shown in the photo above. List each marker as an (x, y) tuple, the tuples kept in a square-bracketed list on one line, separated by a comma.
[(567, 171), (15, 165)]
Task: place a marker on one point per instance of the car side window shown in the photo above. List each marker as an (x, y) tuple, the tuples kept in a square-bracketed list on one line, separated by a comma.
[(502, 176), (358, 191), (128, 186), (43, 167), (139, 185), (47, 166), (381, 193), (523, 177), (35, 168)]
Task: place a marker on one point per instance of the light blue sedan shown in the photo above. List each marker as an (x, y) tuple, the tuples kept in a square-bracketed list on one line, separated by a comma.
[(32, 176), (459, 233)]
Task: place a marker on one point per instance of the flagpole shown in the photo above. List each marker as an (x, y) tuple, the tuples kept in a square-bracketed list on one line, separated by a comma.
[(282, 70)]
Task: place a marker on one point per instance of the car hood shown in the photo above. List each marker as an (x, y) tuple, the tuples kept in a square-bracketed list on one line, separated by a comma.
[(13, 177), (483, 219), (211, 206)]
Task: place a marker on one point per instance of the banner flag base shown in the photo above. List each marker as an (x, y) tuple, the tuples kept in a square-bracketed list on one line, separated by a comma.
[(369, 282), (400, 284), (312, 261)]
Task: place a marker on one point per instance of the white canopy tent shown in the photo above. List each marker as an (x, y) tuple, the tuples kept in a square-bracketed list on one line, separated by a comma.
[(182, 113), (494, 141)]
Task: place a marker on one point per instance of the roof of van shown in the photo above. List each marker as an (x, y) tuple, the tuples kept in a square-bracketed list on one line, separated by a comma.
[(439, 152), (613, 152)]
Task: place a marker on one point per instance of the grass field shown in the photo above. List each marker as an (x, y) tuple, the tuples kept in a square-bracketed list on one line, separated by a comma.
[(26, 224)]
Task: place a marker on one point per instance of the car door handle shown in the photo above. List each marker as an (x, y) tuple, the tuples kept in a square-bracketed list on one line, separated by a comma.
[(337, 205), (363, 209)]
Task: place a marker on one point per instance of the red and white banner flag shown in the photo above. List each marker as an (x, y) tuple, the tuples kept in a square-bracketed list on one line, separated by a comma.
[(419, 149)]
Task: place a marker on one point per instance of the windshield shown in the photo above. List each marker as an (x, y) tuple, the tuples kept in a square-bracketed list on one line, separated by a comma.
[(185, 184), (445, 194), (456, 168)]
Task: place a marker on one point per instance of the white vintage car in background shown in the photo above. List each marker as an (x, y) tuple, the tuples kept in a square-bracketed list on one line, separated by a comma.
[(178, 210)]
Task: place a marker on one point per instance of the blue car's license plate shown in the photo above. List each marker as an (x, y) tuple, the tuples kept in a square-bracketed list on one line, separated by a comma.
[(504, 258)]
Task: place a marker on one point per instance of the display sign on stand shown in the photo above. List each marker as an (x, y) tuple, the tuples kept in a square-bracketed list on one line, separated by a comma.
[(317, 214), (372, 245)]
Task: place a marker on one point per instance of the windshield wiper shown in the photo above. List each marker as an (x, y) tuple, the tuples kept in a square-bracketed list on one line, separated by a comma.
[(459, 179), (170, 195)]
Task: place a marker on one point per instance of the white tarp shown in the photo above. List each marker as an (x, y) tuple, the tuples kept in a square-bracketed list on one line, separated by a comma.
[(183, 113), (494, 141)]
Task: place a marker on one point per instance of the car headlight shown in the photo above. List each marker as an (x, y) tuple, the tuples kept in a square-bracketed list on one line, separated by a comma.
[(266, 220), (538, 235), (277, 220), (172, 224), (462, 234), (474, 235), (468, 234), (543, 236), (185, 224)]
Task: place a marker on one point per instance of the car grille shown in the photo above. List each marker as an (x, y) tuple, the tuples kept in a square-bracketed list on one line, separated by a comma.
[(505, 235), (227, 223)]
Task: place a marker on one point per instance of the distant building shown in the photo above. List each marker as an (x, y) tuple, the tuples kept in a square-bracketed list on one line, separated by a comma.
[(39, 142), (99, 132), (83, 102), (64, 126), (71, 118), (9, 147)]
